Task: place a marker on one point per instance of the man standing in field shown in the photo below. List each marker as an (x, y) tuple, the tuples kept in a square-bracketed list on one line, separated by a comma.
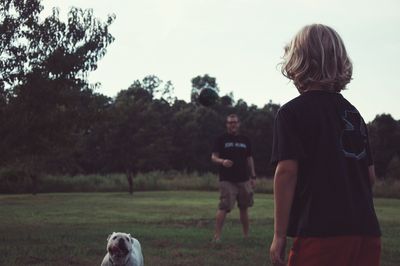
[(232, 152)]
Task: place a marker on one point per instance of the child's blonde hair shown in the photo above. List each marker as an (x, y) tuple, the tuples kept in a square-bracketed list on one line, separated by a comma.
[(317, 58)]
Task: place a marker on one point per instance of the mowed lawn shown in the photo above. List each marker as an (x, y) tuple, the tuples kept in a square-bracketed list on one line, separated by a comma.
[(174, 228)]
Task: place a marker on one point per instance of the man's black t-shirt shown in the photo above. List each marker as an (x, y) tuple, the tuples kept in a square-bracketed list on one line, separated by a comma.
[(236, 148), (329, 139)]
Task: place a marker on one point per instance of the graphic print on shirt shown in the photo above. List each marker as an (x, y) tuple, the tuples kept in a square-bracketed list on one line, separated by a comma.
[(354, 135), (235, 144)]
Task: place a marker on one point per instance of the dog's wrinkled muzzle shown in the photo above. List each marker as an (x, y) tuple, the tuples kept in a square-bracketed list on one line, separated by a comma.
[(119, 249)]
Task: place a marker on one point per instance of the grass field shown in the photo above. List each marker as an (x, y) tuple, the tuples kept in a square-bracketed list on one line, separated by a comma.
[(173, 227)]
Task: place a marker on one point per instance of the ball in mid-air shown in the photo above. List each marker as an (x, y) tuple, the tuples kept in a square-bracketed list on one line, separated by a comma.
[(207, 97)]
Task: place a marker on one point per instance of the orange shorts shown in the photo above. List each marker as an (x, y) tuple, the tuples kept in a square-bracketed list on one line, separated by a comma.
[(334, 251)]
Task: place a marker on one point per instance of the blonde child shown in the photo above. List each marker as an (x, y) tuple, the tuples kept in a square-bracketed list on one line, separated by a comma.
[(324, 168)]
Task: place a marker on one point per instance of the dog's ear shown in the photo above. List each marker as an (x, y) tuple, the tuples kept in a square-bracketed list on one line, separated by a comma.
[(108, 238), (131, 238)]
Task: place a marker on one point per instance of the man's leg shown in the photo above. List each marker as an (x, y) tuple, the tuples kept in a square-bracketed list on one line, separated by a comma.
[(227, 198), (244, 219), (245, 200), (219, 223)]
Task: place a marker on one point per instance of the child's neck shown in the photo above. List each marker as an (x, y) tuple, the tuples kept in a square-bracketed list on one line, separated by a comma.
[(317, 88)]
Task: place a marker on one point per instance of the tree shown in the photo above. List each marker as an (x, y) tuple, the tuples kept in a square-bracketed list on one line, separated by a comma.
[(158, 89), (257, 124), (227, 100), (201, 82), (138, 137), (384, 134), (43, 84), (89, 146), (393, 170), (193, 131)]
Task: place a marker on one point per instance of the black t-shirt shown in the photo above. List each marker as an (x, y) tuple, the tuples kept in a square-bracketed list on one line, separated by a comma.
[(236, 148), (329, 139)]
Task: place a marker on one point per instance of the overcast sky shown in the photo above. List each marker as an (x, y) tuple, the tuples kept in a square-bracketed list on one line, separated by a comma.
[(240, 43)]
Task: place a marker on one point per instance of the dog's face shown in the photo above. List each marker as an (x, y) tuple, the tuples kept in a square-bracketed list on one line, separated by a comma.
[(119, 246)]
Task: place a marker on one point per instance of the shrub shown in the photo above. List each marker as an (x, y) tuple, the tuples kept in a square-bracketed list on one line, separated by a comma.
[(387, 188), (393, 170), (14, 181)]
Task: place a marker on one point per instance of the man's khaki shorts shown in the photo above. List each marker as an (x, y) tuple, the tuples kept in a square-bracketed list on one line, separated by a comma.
[(232, 192)]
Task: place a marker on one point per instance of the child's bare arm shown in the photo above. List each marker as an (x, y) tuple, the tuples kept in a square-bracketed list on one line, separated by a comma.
[(284, 186)]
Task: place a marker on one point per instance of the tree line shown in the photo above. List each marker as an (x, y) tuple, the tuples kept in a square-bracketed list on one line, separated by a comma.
[(52, 121)]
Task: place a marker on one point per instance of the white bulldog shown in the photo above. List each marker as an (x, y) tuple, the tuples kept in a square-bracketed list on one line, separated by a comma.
[(122, 249)]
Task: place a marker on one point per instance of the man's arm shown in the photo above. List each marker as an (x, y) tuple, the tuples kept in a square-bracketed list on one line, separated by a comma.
[(217, 160), (250, 164), (285, 180)]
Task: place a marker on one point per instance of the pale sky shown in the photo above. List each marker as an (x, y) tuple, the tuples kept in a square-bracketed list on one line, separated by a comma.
[(240, 43)]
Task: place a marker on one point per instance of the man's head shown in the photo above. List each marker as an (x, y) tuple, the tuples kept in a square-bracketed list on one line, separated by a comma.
[(232, 124), (316, 58)]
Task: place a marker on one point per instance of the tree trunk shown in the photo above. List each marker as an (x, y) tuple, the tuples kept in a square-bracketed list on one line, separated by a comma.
[(34, 179), (129, 176)]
